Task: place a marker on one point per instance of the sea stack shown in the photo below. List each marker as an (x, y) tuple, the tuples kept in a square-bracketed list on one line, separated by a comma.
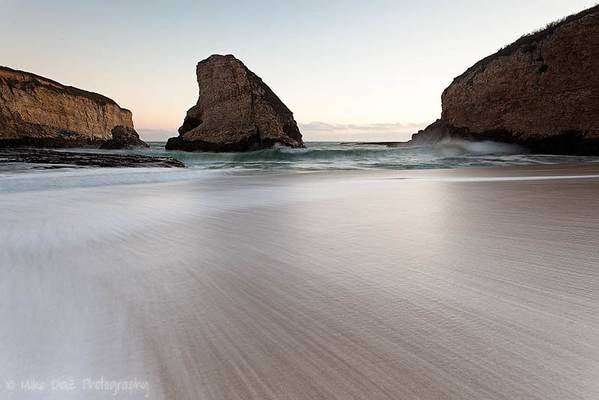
[(541, 91), (235, 111), (39, 112)]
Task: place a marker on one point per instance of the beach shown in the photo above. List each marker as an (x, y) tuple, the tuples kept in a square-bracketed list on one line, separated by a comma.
[(477, 283)]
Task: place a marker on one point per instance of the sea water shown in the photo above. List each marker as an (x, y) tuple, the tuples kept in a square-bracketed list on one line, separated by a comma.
[(316, 156)]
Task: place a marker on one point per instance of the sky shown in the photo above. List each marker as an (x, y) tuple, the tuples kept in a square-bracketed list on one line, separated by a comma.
[(349, 70)]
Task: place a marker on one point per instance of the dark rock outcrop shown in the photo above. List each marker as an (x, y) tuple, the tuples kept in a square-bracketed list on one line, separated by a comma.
[(236, 111), (36, 111), (123, 138), (541, 92), (65, 159)]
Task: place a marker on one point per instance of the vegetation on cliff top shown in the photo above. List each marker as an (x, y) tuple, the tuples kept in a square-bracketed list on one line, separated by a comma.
[(528, 41)]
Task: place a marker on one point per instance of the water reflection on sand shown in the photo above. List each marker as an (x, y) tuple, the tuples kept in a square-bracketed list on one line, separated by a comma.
[(307, 286)]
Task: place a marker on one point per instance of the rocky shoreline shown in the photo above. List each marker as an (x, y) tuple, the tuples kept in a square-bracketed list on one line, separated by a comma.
[(566, 142), (68, 159)]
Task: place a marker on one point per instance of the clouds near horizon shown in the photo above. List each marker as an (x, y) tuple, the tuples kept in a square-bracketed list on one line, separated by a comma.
[(359, 132), (323, 131)]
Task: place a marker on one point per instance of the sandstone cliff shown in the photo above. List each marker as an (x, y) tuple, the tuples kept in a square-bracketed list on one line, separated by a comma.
[(36, 111), (235, 111), (541, 91)]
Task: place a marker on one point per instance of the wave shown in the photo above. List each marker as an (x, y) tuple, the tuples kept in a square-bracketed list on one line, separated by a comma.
[(334, 152), (315, 157), (284, 154), (454, 146)]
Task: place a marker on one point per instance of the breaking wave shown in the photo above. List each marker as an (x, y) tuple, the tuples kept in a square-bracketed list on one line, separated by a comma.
[(328, 155), (324, 156), (315, 157)]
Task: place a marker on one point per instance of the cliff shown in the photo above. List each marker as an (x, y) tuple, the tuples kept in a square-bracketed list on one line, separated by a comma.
[(36, 111), (235, 111), (541, 91)]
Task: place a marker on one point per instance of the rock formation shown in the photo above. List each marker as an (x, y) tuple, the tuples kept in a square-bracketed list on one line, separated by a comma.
[(123, 138), (236, 111), (52, 159), (36, 111), (541, 92)]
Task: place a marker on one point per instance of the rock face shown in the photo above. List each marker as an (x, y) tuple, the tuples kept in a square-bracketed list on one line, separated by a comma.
[(541, 92), (36, 111), (236, 111), (123, 138)]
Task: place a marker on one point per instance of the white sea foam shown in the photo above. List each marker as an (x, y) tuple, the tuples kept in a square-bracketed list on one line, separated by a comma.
[(457, 147), (315, 157)]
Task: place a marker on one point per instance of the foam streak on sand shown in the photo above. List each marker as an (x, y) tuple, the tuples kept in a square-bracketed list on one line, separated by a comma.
[(505, 178), (342, 285)]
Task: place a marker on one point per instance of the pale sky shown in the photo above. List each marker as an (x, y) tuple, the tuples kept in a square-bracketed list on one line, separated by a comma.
[(349, 70)]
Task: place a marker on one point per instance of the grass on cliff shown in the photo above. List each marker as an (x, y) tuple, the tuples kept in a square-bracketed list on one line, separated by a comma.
[(529, 41)]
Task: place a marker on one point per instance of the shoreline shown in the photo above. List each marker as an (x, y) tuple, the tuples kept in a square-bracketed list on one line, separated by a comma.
[(312, 286), (28, 180)]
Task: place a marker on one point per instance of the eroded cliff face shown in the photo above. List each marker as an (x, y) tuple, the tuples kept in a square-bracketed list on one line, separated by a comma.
[(541, 91), (36, 111), (236, 111)]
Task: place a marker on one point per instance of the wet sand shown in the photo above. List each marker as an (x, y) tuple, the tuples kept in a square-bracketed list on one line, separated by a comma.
[(457, 284)]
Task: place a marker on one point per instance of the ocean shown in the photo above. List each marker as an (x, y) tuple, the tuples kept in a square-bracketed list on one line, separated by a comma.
[(315, 157), (318, 156)]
